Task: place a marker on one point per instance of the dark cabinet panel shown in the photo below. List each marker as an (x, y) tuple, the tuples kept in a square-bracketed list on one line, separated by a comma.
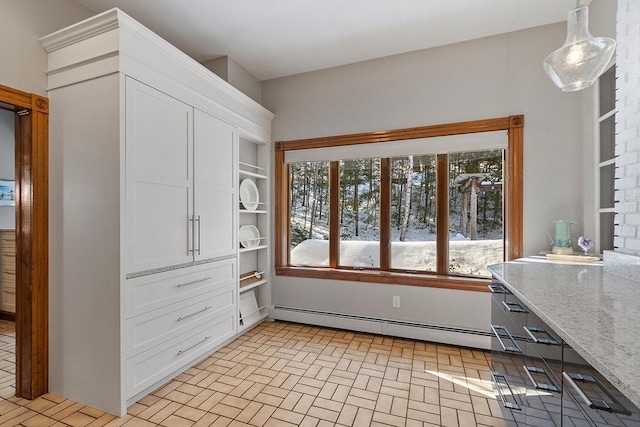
[(540, 380)]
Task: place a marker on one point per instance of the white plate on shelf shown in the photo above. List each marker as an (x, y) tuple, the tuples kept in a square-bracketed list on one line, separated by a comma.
[(249, 236), (249, 195)]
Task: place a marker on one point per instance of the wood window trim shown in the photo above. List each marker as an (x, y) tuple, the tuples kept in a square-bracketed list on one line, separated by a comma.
[(32, 241), (513, 181)]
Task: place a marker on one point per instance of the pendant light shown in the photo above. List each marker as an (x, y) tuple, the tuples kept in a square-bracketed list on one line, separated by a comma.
[(582, 57)]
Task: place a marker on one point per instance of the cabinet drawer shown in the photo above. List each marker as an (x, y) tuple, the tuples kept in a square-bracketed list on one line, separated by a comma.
[(152, 328), (8, 279), (8, 300), (149, 367), (8, 263), (607, 405), (155, 291), (8, 248), (7, 237)]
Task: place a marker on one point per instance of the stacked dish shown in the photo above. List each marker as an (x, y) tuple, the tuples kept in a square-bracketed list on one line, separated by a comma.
[(249, 236), (249, 195)]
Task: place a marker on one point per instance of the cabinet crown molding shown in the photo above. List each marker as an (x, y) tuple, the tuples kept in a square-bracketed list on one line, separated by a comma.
[(86, 29), (113, 41)]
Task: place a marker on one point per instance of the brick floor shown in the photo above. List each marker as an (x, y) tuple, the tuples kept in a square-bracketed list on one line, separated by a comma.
[(286, 374)]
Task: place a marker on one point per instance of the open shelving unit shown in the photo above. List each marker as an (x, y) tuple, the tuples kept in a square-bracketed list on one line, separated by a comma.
[(254, 296)]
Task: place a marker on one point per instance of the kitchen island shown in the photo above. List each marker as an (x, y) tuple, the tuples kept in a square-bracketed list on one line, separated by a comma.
[(597, 314)]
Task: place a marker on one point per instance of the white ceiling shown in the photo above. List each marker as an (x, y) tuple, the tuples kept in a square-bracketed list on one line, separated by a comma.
[(276, 38)]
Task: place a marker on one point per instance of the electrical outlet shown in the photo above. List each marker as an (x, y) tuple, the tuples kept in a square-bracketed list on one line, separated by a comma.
[(396, 302)]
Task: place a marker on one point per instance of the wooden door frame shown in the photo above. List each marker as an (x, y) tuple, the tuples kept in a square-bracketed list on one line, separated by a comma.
[(32, 240)]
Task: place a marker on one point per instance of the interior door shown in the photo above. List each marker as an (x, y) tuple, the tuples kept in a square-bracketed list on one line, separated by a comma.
[(159, 176), (215, 154)]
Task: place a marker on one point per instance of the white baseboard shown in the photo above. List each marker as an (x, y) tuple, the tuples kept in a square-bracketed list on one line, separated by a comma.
[(391, 327)]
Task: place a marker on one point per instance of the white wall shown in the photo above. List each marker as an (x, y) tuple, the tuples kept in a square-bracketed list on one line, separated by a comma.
[(23, 61), (491, 77), (7, 164), (228, 69)]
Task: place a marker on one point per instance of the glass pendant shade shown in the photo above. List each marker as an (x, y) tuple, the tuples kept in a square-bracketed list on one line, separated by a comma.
[(582, 58)]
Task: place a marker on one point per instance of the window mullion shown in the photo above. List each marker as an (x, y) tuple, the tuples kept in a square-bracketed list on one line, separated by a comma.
[(442, 213), (385, 214), (334, 214)]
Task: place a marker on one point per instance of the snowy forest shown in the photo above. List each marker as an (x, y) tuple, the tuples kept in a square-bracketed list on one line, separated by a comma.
[(475, 202)]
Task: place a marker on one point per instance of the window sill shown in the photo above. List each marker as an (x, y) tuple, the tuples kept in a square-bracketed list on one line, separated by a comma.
[(388, 277)]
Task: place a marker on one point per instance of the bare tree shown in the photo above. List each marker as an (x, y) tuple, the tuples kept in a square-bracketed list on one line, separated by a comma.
[(407, 199)]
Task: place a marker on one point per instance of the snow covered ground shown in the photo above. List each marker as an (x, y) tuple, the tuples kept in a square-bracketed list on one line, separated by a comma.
[(469, 257)]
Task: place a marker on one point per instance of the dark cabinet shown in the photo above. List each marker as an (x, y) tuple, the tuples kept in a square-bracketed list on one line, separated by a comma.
[(540, 380)]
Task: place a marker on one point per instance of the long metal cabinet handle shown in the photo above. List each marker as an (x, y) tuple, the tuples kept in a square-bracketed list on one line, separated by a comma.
[(198, 234), (193, 282), (548, 341), (542, 386), (515, 348), (514, 307), (613, 406), (190, 225), (193, 346), (181, 318), (511, 405)]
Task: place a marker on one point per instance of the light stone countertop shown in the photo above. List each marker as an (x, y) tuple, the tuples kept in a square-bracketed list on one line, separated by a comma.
[(596, 313)]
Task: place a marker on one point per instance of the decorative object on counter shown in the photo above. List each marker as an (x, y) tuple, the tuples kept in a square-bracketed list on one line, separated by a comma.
[(585, 244), (582, 57), (249, 195), (562, 240)]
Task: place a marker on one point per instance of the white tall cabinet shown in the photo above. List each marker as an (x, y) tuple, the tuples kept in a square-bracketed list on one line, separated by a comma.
[(144, 211)]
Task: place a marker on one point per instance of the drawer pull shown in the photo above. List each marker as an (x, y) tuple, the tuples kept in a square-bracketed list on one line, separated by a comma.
[(10, 292), (612, 406), (497, 289), (514, 307), (548, 341), (515, 348), (541, 386), (194, 346), (193, 282), (511, 405), (9, 273), (181, 318)]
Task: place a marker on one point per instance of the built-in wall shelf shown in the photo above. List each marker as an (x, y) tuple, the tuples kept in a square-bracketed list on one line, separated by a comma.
[(252, 285), (256, 248), (252, 174), (254, 293)]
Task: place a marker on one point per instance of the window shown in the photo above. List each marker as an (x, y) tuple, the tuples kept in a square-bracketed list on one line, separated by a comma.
[(309, 213), (359, 213), (413, 212), (424, 206), (475, 212)]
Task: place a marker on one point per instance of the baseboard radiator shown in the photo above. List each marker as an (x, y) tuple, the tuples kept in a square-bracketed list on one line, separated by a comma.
[(382, 326)]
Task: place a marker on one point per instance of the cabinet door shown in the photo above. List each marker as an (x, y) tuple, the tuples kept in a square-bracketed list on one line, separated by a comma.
[(215, 186), (159, 178)]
